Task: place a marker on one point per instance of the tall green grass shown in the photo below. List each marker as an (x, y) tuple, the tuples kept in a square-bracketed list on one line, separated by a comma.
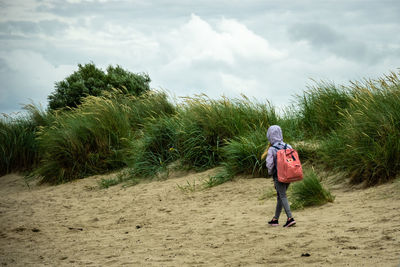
[(18, 151), (242, 155), (350, 128), (207, 125), (155, 149), (367, 145), (18, 147), (95, 137), (319, 108)]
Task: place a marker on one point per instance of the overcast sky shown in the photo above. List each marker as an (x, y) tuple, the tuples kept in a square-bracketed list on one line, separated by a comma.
[(262, 49)]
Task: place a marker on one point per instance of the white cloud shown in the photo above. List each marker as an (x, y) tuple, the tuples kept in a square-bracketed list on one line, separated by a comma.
[(29, 66), (235, 85), (228, 42)]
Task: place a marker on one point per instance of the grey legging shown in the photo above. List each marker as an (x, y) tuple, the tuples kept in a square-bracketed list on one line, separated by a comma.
[(282, 199)]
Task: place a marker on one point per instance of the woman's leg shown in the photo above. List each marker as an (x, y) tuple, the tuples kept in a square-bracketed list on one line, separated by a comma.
[(282, 199), (278, 208)]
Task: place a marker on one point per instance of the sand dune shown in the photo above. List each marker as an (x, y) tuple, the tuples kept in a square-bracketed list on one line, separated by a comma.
[(159, 224)]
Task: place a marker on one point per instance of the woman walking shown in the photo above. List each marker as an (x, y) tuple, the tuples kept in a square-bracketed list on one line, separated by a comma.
[(275, 138)]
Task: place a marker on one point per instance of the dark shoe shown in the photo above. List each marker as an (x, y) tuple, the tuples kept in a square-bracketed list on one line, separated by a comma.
[(273, 222), (290, 222)]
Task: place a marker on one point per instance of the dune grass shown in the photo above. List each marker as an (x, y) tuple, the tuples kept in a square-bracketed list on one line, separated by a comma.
[(367, 145), (309, 192), (319, 108), (207, 126), (18, 150), (242, 155), (96, 137), (154, 149), (18, 146), (354, 129)]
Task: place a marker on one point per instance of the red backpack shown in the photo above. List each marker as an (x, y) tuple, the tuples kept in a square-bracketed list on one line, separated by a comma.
[(288, 165)]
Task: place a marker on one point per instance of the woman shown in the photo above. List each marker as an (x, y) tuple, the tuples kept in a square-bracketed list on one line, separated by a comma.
[(275, 138)]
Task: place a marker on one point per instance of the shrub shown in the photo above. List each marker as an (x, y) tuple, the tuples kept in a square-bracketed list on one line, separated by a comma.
[(368, 144), (88, 80), (309, 192)]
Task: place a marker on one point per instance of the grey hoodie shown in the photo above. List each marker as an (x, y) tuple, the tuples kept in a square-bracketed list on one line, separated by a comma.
[(275, 138)]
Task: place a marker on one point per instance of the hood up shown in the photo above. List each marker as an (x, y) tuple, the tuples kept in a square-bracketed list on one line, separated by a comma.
[(274, 134)]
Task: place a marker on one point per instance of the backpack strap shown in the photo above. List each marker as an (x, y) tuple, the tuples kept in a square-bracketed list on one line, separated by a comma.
[(285, 147)]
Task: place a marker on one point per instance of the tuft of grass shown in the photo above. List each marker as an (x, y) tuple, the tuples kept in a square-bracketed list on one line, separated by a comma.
[(189, 187), (106, 183), (309, 192), (221, 177)]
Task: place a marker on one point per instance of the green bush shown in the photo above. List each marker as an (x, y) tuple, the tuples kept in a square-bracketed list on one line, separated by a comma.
[(309, 192), (88, 80), (367, 146)]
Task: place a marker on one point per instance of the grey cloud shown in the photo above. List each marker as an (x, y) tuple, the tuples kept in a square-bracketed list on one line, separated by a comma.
[(318, 35), (322, 36), (48, 27)]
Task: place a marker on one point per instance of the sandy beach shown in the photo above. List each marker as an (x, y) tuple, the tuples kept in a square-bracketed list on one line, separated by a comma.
[(173, 223)]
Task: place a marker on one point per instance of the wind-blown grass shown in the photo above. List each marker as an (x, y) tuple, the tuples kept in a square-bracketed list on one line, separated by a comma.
[(319, 108), (242, 155), (354, 129), (96, 137), (18, 150), (367, 146), (18, 147), (155, 149), (207, 126), (309, 192)]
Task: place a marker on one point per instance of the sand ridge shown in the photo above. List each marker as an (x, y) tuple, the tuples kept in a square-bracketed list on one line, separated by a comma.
[(170, 223)]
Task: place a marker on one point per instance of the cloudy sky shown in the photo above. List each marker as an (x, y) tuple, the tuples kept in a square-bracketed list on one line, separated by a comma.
[(261, 48)]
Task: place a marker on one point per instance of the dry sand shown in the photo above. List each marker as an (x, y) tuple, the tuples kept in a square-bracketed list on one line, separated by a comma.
[(159, 224)]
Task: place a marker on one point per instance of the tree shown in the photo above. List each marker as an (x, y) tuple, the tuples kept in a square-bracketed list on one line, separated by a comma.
[(89, 80)]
